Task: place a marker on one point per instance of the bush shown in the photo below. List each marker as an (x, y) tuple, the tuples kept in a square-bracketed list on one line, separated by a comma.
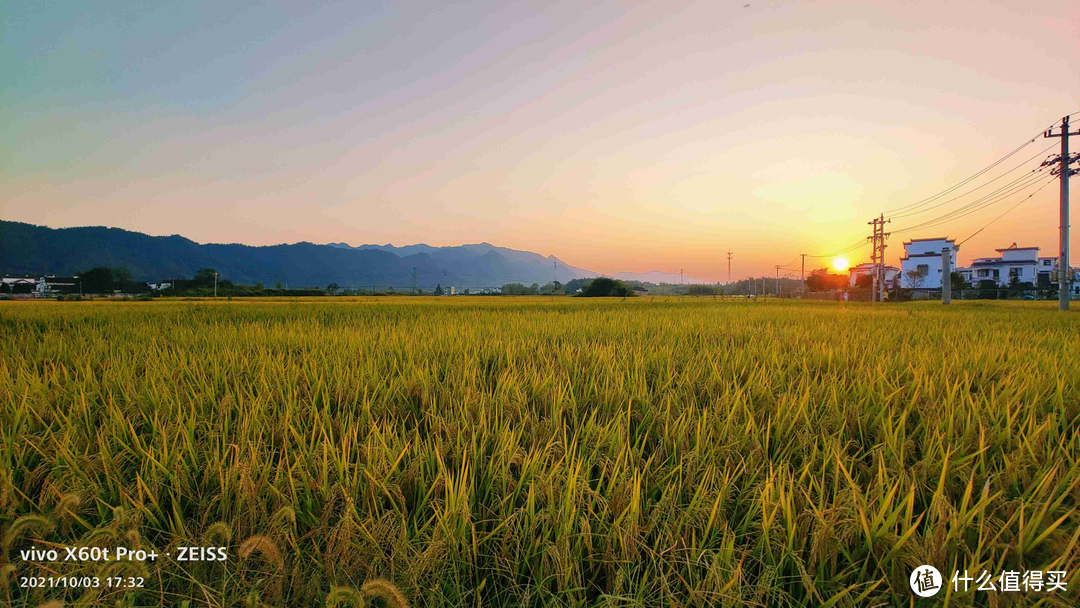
[(604, 287)]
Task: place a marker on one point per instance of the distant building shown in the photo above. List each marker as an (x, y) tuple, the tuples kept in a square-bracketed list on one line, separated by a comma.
[(159, 286), (1023, 263), (50, 285), (924, 257), (18, 285), (867, 269)]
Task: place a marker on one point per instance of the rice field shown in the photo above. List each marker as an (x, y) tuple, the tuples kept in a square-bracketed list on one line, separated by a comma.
[(538, 451)]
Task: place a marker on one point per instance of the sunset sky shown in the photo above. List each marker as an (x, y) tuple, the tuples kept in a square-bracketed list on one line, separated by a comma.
[(617, 136)]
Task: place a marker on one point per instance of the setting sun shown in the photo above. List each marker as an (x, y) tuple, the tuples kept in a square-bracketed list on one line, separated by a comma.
[(840, 263)]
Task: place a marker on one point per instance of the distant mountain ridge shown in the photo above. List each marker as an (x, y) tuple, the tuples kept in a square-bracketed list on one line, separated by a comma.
[(39, 250), (457, 254)]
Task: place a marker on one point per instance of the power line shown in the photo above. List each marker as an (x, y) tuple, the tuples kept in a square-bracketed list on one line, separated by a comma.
[(984, 184), (974, 206), (934, 197), (1022, 201)]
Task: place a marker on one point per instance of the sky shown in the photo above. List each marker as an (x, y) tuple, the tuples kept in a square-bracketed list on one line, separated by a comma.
[(618, 136)]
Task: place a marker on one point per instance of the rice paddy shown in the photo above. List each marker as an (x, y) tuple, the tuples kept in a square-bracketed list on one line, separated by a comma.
[(538, 451)]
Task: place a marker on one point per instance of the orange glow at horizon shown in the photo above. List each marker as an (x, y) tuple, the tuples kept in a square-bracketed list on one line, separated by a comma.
[(840, 264)]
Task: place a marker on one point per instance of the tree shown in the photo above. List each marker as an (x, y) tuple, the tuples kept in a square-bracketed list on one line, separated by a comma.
[(988, 289), (823, 280), (121, 274), (97, 280), (513, 289), (914, 279), (604, 287), (204, 277), (551, 287), (957, 280), (332, 287), (575, 284), (438, 289)]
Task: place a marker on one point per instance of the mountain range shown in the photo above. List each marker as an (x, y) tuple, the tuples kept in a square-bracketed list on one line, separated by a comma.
[(26, 249)]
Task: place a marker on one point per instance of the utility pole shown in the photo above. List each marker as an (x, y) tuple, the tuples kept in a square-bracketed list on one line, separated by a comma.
[(1064, 271), (680, 276), (802, 272), (215, 284), (414, 280), (873, 260), (777, 280), (877, 289), (729, 266), (946, 275)]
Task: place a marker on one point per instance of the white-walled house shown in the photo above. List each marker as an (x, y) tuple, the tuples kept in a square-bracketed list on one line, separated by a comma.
[(1021, 262), (867, 269), (924, 256)]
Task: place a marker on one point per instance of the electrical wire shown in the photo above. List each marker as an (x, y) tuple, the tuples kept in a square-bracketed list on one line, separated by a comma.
[(983, 185), (852, 247), (934, 197), (1022, 201), (974, 206)]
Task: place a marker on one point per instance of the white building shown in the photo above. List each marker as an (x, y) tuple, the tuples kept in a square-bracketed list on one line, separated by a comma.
[(1023, 263), (924, 257), (52, 284), (159, 286), (21, 285), (867, 269)]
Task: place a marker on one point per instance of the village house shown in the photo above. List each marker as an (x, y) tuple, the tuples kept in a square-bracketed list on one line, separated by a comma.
[(867, 270), (922, 257), (1021, 263)]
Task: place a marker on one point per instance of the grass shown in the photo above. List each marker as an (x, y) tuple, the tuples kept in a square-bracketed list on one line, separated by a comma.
[(540, 451)]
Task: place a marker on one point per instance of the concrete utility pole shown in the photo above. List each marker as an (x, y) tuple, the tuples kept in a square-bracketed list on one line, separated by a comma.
[(215, 284), (414, 280), (729, 266), (946, 275), (877, 289), (802, 272), (777, 279), (1064, 272)]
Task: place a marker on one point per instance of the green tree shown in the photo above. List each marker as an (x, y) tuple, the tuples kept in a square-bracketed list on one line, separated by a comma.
[(604, 287), (957, 280), (438, 289), (204, 278), (97, 280), (332, 287)]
